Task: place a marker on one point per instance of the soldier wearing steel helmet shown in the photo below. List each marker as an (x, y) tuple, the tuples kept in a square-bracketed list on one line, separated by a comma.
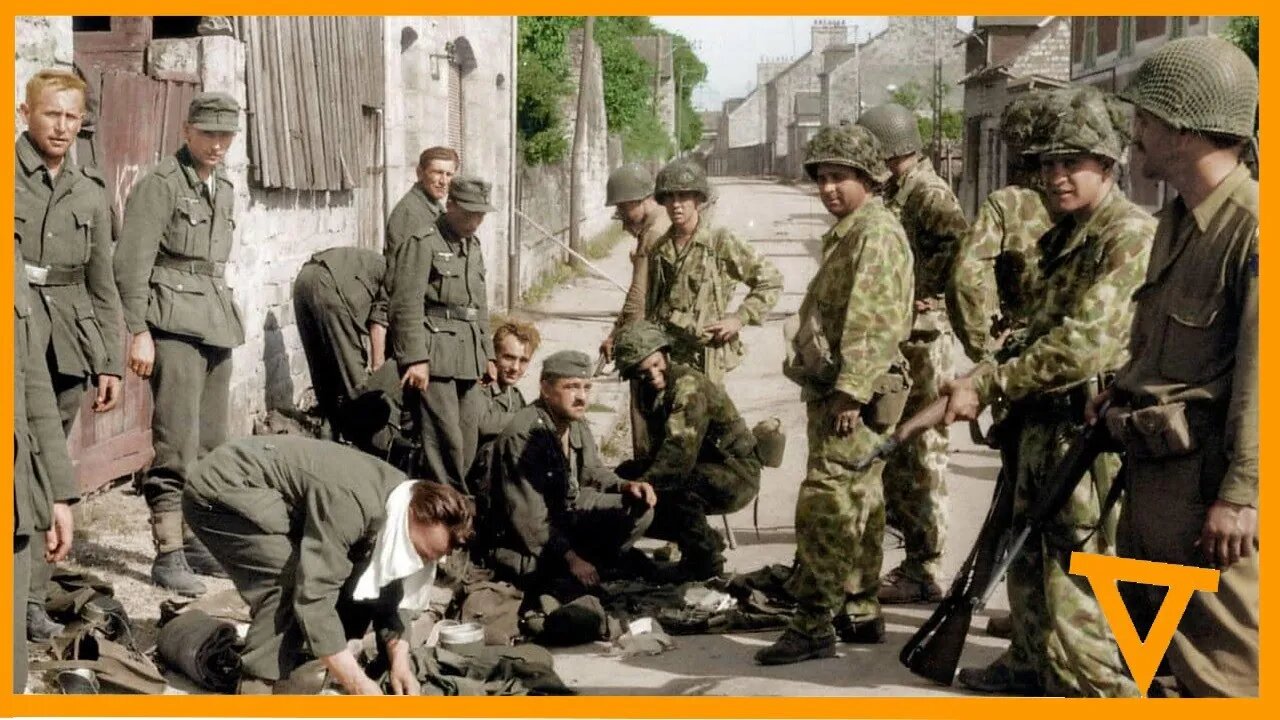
[(914, 480), (1194, 362), (703, 457), (1094, 259), (845, 355), (692, 274)]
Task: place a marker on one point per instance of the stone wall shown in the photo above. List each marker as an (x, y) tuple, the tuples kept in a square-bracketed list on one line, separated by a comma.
[(1048, 52), (746, 122), (40, 41)]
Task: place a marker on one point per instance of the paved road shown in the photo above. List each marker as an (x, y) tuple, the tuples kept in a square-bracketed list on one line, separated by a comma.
[(784, 222)]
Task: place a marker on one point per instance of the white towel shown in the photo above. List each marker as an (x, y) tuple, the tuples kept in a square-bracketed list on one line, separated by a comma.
[(394, 557)]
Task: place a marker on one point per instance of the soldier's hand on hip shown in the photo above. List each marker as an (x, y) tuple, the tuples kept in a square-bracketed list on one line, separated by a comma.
[(724, 330), (416, 376), (142, 354), (108, 393), (57, 539), (848, 413), (1229, 533)]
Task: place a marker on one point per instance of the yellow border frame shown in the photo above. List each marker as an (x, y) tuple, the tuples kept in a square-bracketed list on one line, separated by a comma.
[(644, 707)]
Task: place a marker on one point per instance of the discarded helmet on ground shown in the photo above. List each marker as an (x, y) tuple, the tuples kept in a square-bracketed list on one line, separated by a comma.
[(848, 145), (628, 183), (681, 175), (1205, 84), (895, 127), (635, 342)]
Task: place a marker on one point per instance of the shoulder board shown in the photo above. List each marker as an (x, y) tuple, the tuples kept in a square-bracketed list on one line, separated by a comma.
[(93, 173)]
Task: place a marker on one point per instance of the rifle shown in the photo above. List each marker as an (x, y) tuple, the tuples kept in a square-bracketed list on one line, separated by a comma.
[(931, 416), (934, 651)]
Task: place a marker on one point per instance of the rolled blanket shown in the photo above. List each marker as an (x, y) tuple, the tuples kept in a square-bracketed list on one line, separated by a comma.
[(202, 648)]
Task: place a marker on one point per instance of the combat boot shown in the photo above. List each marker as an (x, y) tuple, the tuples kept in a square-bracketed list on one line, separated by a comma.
[(1000, 626), (795, 646), (198, 557), (897, 588), (40, 627), (861, 632), (170, 570), (1000, 679)]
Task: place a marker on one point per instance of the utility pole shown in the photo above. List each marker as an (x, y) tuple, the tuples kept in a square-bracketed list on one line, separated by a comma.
[(937, 94), (857, 64), (579, 142)]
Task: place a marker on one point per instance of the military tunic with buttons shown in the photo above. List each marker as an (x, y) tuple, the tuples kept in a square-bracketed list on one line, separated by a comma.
[(703, 462), (294, 521), (64, 227), (333, 298), (915, 476), (170, 267), (547, 503), (690, 288), (42, 471), (1195, 341), (439, 315), (1078, 330), (412, 215), (861, 299)]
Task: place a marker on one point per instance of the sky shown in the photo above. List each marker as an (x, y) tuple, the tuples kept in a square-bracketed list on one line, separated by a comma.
[(731, 46)]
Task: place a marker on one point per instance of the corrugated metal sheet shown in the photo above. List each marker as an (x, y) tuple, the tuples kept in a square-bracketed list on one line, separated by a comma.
[(309, 80)]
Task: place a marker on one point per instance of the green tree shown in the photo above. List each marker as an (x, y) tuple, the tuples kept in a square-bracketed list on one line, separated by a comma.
[(542, 84), (1243, 31)]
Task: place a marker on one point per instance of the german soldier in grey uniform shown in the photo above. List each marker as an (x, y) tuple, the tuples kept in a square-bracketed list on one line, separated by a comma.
[(440, 329), (170, 267), (63, 225)]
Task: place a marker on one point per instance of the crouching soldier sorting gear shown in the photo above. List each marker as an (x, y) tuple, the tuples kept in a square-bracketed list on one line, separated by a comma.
[(702, 458), (561, 517), (321, 540)]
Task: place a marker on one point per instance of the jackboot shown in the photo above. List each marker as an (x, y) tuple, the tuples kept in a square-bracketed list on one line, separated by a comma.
[(40, 627), (170, 570)]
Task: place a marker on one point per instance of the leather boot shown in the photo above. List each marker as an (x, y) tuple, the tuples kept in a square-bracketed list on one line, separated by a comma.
[(40, 627), (861, 632), (794, 646), (897, 588), (170, 570)]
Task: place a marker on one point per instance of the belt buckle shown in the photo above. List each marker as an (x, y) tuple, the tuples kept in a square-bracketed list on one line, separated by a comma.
[(37, 275), (469, 314)]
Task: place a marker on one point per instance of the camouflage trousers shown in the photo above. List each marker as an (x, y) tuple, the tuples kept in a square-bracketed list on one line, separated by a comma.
[(712, 489), (915, 490), (1059, 631), (839, 526)]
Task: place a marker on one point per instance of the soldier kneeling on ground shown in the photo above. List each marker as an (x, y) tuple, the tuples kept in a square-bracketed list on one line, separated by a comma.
[(702, 458), (321, 540)]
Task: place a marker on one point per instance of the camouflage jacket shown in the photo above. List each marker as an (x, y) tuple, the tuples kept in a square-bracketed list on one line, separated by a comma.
[(63, 224), (934, 223), (1079, 323), (690, 288), (996, 266), (861, 298), (656, 225), (414, 213), (169, 264), (692, 421), (536, 485)]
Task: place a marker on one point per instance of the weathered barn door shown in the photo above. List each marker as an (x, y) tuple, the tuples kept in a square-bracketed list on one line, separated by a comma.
[(139, 121)]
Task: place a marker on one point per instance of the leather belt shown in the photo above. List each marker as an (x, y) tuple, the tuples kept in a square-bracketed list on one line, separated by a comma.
[(453, 312), (41, 275), (212, 268)]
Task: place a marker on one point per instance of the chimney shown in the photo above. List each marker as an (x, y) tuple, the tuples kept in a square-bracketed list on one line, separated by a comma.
[(768, 69), (828, 32)]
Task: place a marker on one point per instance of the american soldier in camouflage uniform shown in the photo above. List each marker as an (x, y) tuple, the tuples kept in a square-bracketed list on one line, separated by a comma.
[(1093, 259), (692, 274), (915, 476), (992, 282), (845, 354), (703, 458)]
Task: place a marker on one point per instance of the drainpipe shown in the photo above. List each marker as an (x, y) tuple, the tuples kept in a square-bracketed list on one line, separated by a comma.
[(513, 178)]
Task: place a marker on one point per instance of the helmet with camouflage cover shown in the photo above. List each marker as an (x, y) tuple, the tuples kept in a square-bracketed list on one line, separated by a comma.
[(849, 145), (1026, 121), (1084, 120), (634, 343), (895, 127), (681, 175), (1204, 84), (628, 183)]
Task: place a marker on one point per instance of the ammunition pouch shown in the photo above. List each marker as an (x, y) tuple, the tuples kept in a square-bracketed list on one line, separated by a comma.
[(1155, 432), (888, 401)]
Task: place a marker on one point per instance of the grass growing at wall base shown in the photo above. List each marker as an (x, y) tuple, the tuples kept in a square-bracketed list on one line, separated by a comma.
[(561, 273)]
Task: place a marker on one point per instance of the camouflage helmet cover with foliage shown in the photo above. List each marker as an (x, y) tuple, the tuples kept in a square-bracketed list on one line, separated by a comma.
[(681, 175), (1027, 120), (628, 183), (1085, 120), (849, 145), (1205, 84), (896, 127), (635, 342)]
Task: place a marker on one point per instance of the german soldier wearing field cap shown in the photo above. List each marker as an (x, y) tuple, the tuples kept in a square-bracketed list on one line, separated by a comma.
[(170, 267), (439, 328)]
